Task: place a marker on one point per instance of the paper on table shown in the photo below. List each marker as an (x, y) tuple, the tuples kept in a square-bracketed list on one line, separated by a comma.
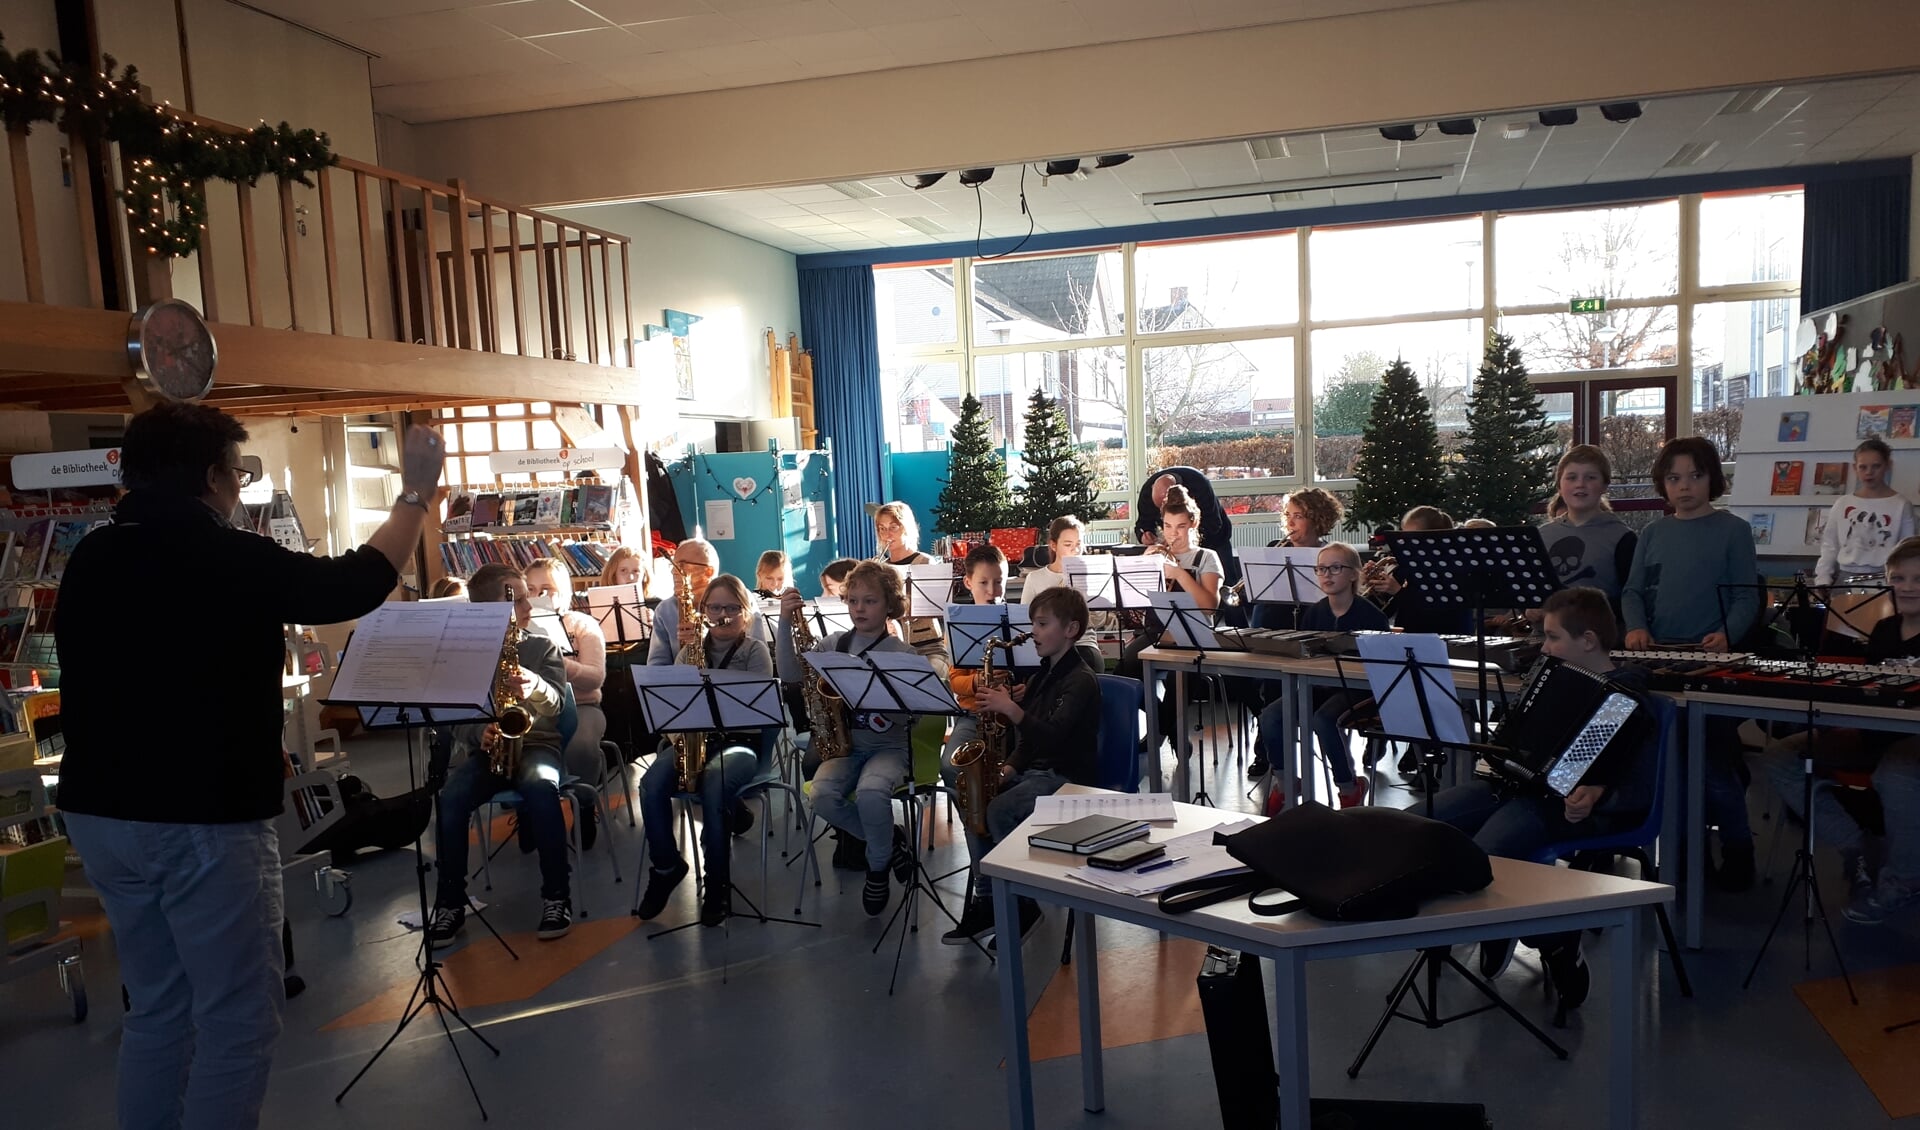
[(1059, 809), (423, 654), (1203, 858)]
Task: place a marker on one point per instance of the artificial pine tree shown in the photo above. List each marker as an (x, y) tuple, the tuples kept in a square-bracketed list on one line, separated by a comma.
[(1399, 464), (975, 497), (1059, 478), (1506, 462)]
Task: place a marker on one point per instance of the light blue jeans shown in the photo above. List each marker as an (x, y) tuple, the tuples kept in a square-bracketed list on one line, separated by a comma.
[(1897, 781), (855, 794), (196, 912)]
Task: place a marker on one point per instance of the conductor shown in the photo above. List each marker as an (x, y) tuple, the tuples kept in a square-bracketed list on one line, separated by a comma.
[(1216, 529)]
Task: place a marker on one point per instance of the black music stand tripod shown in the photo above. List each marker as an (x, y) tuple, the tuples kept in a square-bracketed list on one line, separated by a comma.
[(1193, 630), (430, 990), (1427, 682)]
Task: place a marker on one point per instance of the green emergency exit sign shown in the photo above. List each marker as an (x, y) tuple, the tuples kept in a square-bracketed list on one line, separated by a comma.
[(1587, 305)]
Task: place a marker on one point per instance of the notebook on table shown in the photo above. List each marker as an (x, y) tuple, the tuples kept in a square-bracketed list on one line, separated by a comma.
[(1089, 834)]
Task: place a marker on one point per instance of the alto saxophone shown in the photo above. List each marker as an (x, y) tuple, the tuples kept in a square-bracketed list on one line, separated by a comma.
[(977, 763), (690, 750), (826, 710), (512, 720)]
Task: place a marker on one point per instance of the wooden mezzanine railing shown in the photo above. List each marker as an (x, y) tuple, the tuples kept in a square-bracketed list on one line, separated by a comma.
[(367, 255)]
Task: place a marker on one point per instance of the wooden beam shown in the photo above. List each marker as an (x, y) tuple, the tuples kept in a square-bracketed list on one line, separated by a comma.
[(23, 209), (542, 300), (365, 220), (209, 280), (513, 280), (460, 240), (490, 291), (325, 180), (400, 263), (83, 210), (431, 263), (249, 254)]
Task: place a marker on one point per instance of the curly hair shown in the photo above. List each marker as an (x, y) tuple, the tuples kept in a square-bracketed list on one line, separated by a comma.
[(884, 581), (1323, 510)]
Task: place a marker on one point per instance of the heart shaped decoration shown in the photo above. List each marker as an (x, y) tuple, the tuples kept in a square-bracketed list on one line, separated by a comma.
[(744, 487)]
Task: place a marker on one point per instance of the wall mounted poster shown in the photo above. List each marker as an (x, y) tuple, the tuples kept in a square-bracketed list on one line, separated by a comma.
[(1762, 524), (1787, 475), (1829, 478), (1816, 524), (1873, 421), (683, 368), (1793, 427), (1900, 422)]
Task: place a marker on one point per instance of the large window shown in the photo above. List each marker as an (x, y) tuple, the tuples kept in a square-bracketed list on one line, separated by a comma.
[(1215, 352), (473, 434)]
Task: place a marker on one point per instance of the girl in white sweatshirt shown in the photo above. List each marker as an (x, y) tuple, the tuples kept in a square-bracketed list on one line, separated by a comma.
[(1863, 527)]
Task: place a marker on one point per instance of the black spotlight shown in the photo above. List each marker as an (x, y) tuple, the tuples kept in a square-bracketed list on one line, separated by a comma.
[(1457, 127), (926, 180), (974, 178), (1564, 116), (1109, 160), (1620, 111), (1406, 131), (1063, 168)]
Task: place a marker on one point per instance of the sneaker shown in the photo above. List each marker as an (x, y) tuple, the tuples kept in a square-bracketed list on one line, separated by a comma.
[(976, 921), (1258, 767), (1853, 866), (1567, 970), (739, 820), (902, 862), (1030, 917), (849, 852), (660, 885), (445, 925), (589, 818), (1736, 866), (1495, 957), (1353, 794), (715, 906), (556, 918), (1872, 906), (873, 897)]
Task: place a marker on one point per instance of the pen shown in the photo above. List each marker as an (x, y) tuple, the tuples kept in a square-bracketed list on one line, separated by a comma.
[(1159, 864)]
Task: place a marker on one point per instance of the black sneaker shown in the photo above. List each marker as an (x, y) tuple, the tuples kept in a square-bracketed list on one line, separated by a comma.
[(715, 907), (739, 819), (443, 929), (660, 885), (874, 896), (976, 921), (589, 818), (849, 852), (1258, 767), (1495, 957), (1030, 917), (902, 862), (1567, 970), (556, 918)]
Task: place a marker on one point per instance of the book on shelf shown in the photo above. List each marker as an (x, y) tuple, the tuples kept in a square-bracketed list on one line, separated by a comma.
[(1787, 475), (596, 504), (548, 508), (590, 505), (1829, 478)]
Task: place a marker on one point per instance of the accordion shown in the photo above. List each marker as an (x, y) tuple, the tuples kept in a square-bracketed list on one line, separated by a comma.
[(1566, 719)]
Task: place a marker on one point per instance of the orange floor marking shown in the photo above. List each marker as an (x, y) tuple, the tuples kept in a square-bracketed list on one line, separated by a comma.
[(1146, 994), (480, 972), (1884, 1060)]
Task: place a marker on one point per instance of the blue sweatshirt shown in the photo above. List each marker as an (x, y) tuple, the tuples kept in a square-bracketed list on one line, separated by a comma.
[(1674, 588)]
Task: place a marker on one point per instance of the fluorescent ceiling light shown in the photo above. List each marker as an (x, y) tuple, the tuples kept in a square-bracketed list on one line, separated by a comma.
[(1748, 101), (1269, 149), (1302, 184), (923, 226), (1692, 153), (854, 190)]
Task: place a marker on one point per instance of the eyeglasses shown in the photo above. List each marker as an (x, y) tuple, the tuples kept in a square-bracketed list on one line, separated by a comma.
[(724, 610), (694, 565), (246, 476), (1329, 570)]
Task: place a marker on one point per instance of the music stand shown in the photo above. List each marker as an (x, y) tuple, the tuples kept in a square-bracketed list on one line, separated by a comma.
[(1120, 581), (1804, 873), (621, 612), (894, 682), (1410, 676), (829, 615), (929, 589), (682, 699), (1281, 575), (407, 659), (970, 626), (1192, 629), (548, 624)]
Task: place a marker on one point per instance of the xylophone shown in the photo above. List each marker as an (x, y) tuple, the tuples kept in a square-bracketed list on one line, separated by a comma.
[(1740, 673)]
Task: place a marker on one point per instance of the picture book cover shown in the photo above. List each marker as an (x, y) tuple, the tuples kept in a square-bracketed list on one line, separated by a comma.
[(459, 513), (31, 550), (1762, 523), (509, 510), (1829, 478), (547, 508), (1900, 421), (486, 510), (1787, 475), (1873, 421), (596, 504), (1793, 427), (526, 509), (1816, 524)]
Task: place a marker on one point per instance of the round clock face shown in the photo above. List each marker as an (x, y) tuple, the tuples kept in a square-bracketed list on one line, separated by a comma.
[(172, 351)]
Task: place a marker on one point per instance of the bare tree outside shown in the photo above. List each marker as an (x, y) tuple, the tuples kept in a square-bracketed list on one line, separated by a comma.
[(1598, 263)]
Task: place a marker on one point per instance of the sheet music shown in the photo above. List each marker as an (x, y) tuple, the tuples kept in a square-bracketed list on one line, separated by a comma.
[(970, 626), (829, 615), (1093, 577), (887, 682), (1137, 579), (929, 588), (1188, 625), (674, 699), (621, 611), (1058, 809), (415, 653), (1281, 575), (1397, 688), (549, 624)]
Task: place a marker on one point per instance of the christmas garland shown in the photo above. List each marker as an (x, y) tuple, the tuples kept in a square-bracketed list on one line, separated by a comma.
[(171, 155)]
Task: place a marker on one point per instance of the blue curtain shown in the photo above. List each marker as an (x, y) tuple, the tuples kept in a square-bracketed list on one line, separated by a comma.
[(837, 324), (1854, 240)]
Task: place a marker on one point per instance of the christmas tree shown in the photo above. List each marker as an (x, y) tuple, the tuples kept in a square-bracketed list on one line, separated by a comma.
[(1506, 462), (1399, 464), (975, 497), (1059, 478)]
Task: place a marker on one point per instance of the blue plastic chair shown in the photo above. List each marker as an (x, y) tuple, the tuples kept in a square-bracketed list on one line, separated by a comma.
[(1636, 843), (1120, 705)]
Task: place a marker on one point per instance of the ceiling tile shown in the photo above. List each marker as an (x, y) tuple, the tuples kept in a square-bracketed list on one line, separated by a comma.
[(601, 45), (688, 32), (398, 34), (1137, 19), (809, 17), (538, 17), (875, 13), (653, 71), (748, 5), (638, 11), (833, 47), (953, 38), (478, 59)]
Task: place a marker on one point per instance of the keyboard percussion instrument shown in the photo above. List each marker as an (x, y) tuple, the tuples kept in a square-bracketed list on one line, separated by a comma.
[(1737, 673)]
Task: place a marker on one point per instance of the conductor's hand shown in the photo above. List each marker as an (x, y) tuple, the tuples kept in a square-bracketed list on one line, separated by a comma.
[(1714, 641), (791, 605), (1581, 800), (422, 457), (1639, 640)]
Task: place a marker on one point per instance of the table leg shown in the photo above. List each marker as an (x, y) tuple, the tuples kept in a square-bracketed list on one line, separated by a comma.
[(1013, 1010), (1290, 1045), (1147, 675), (1182, 768), (1086, 959), (1669, 854), (1623, 1106), (1304, 778), (1695, 891), (1288, 743)]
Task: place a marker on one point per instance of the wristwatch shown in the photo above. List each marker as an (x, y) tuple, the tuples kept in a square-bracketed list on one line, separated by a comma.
[(412, 498)]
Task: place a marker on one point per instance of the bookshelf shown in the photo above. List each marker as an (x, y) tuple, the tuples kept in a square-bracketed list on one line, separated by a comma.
[(520, 523)]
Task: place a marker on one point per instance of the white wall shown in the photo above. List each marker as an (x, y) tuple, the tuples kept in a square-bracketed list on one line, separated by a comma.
[(682, 264)]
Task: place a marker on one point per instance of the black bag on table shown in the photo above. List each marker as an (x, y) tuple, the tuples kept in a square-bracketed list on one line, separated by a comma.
[(1351, 865)]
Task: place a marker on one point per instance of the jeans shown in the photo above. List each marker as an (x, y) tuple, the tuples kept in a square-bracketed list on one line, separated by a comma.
[(727, 772), (1512, 828), (1723, 793), (583, 752), (854, 793), (1012, 804), (1896, 780), (196, 913), (471, 785)]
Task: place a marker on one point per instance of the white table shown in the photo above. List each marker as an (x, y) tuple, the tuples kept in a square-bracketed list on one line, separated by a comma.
[(1524, 899)]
